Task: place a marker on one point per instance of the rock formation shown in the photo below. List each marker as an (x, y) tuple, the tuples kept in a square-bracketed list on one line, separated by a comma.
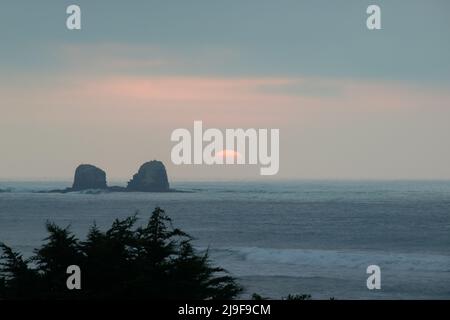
[(151, 177), (89, 177)]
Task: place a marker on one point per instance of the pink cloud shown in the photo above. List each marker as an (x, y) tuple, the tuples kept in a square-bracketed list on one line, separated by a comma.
[(245, 101), (191, 89)]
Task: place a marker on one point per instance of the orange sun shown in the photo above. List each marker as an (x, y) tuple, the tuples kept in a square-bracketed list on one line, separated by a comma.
[(228, 154)]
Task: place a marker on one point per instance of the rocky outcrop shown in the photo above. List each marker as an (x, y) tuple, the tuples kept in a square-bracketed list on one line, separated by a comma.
[(151, 177), (89, 177)]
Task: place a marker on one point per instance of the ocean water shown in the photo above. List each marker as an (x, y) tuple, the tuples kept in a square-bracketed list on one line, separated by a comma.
[(277, 238)]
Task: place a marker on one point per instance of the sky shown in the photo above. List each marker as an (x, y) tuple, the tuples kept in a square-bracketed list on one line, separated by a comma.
[(350, 103)]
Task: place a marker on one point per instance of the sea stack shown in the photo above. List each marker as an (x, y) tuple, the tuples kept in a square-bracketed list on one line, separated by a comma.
[(151, 177), (89, 177)]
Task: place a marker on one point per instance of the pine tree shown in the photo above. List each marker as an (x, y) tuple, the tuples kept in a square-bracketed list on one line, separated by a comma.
[(156, 261)]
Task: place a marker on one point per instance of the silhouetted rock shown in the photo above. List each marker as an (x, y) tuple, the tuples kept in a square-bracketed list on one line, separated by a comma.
[(89, 177), (151, 177)]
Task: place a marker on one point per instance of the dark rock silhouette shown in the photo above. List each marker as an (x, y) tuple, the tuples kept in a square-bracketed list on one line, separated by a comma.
[(89, 177), (151, 177)]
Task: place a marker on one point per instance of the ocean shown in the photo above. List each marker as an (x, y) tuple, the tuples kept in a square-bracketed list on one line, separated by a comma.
[(276, 238)]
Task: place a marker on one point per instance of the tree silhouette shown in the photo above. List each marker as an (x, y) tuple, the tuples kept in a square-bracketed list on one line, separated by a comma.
[(156, 261)]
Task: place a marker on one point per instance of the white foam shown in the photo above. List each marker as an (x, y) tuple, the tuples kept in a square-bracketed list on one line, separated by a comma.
[(327, 263)]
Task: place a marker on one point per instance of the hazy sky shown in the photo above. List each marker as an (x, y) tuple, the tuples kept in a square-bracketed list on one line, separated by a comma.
[(350, 103)]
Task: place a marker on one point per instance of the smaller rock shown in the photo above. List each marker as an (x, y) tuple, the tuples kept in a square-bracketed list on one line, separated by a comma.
[(89, 177)]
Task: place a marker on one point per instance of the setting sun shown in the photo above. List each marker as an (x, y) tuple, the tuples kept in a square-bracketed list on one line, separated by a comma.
[(228, 154)]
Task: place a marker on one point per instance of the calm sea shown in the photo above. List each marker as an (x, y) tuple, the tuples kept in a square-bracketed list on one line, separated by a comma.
[(314, 237)]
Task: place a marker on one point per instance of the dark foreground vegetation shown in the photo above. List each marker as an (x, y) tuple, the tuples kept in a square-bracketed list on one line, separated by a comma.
[(155, 261)]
